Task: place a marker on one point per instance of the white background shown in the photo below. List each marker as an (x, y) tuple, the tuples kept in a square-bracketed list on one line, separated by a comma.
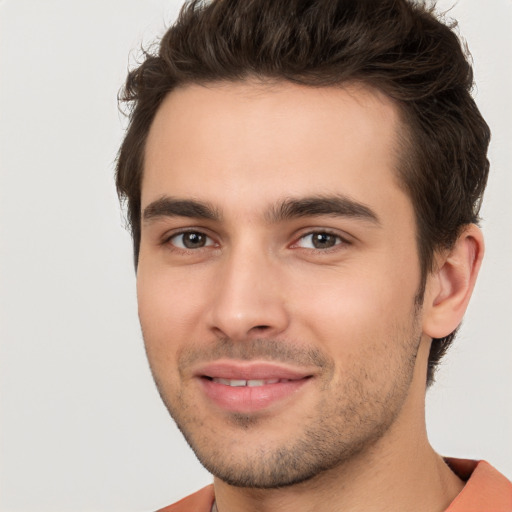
[(82, 427)]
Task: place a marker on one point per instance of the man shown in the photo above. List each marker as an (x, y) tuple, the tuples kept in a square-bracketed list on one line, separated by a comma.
[(303, 181)]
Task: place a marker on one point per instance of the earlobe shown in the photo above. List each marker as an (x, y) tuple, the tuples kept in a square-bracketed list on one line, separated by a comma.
[(450, 286)]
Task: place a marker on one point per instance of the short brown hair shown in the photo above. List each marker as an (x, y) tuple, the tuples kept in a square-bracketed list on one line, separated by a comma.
[(397, 46)]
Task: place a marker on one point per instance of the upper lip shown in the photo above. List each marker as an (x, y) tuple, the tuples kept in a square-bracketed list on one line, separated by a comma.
[(244, 370)]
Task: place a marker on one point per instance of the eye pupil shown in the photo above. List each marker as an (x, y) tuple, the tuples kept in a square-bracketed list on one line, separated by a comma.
[(323, 240), (193, 240)]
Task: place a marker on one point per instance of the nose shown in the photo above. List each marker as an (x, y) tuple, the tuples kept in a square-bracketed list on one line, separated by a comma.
[(249, 298)]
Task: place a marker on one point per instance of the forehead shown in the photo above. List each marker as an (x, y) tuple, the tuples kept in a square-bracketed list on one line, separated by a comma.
[(264, 142)]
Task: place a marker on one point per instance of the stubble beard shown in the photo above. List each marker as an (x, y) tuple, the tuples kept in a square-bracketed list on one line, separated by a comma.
[(347, 422)]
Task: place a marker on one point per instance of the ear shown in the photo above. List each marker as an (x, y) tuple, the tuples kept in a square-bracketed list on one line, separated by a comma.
[(449, 287)]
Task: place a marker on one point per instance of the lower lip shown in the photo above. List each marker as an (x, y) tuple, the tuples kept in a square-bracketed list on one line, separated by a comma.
[(247, 399)]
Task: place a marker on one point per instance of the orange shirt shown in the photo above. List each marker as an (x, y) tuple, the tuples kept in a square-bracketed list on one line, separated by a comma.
[(486, 490)]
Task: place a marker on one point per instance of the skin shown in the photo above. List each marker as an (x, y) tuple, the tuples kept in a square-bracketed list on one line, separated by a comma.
[(249, 283)]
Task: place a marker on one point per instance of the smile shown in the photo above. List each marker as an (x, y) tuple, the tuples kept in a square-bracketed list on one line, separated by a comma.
[(249, 387), (237, 383)]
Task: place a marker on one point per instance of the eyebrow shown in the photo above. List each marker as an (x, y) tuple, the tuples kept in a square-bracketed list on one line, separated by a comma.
[(172, 207), (291, 208), (316, 206)]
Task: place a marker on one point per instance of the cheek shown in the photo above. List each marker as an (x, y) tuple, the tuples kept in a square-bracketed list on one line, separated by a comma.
[(169, 308), (348, 308)]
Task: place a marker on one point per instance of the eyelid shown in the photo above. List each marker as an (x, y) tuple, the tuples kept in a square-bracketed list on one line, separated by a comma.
[(169, 236), (343, 239)]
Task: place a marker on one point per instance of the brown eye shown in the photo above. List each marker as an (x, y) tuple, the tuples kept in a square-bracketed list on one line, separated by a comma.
[(319, 240), (191, 240)]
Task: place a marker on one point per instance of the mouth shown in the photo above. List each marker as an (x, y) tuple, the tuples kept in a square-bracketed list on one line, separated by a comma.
[(253, 383), (244, 387)]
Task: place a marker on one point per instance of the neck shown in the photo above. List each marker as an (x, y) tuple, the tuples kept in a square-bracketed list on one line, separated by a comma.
[(400, 472), (422, 483)]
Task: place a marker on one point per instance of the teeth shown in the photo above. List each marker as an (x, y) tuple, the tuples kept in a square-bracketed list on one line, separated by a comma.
[(250, 383), (255, 383), (237, 383)]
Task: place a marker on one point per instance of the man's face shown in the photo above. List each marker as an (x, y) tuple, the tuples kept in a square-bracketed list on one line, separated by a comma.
[(277, 277)]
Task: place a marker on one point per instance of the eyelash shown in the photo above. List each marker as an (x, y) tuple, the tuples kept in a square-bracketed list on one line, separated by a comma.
[(169, 240), (339, 241)]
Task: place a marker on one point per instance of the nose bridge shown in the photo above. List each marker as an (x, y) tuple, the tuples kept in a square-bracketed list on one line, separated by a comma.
[(248, 299)]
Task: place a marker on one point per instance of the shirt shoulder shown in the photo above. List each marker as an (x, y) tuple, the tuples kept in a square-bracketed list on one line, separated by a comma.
[(486, 489), (200, 501)]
